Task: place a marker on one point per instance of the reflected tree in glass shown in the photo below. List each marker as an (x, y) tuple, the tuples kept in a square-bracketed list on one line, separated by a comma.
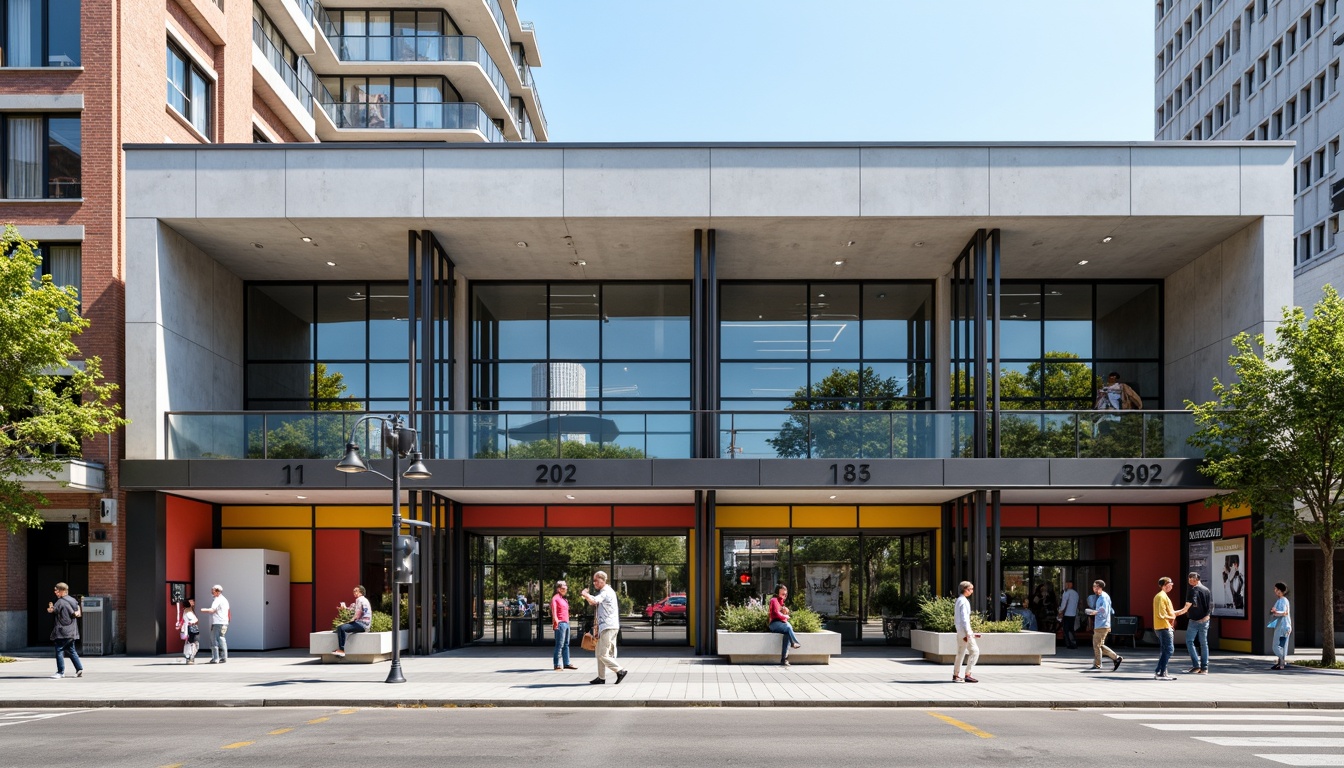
[(309, 437), (842, 435)]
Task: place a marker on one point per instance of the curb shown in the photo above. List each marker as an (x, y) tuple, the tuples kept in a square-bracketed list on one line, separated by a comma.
[(658, 704)]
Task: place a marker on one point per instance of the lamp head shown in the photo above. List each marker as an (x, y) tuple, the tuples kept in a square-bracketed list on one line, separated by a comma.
[(417, 470), (352, 463)]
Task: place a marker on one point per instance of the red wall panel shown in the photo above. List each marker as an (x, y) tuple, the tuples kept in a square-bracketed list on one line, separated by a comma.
[(1146, 517), (189, 526), (655, 517), (300, 614), (1074, 517), (1017, 517), (578, 517), (1152, 554), (335, 573), (1197, 513), (503, 517)]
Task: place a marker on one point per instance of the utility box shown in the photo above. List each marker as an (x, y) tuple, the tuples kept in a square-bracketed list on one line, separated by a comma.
[(256, 583), (96, 631)]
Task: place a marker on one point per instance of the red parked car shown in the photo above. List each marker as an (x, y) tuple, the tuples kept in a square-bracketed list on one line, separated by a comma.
[(670, 607)]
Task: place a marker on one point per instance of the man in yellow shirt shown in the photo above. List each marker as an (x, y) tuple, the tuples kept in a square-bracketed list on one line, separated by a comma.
[(1164, 617)]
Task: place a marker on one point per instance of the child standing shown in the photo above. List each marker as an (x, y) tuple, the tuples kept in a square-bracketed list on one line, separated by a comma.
[(191, 632)]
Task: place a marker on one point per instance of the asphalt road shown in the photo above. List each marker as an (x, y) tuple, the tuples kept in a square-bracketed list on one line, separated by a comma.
[(652, 738)]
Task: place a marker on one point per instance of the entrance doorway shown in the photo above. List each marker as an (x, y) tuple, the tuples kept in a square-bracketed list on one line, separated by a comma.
[(51, 558), (513, 579), (1035, 571)]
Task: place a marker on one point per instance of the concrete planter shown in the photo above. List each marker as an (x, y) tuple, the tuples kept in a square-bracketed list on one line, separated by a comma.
[(360, 648), (995, 647), (763, 647)]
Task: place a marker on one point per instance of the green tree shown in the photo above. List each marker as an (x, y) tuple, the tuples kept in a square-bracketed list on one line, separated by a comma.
[(1274, 438), (44, 399), (842, 435)]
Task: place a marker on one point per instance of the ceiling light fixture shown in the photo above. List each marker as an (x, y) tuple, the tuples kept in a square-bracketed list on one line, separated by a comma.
[(919, 243), (1072, 498), (579, 263), (1082, 262), (848, 244), (832, 497), (521, 244), (1107, 239), (306, 239), (331, 263), (569, 496), (839, 262), (300, 497)]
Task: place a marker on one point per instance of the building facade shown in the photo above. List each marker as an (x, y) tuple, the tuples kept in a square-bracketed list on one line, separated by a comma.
[(81, 78), (1255, 71), (867, 371)]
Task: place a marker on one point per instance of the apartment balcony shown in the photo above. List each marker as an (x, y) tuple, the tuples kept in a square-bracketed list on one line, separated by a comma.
[(533, 100), (73, 475), (670, 435), (422, 121), (285, 90), (294, 19), (464, 60)]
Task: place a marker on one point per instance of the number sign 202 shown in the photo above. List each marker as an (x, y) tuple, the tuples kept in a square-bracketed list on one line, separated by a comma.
[(556, 473)]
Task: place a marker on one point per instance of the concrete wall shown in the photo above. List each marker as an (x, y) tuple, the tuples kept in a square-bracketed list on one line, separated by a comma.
[(184, 326)]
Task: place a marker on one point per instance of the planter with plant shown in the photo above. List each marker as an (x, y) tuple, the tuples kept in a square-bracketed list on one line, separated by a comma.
[(1001, 642), (744, 636), (360, 647)]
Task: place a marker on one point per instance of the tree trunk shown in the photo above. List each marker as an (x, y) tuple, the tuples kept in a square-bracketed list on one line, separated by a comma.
[(1328, 606)]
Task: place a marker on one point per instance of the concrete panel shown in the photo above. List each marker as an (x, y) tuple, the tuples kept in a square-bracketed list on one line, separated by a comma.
[(241, 183), (227, 313), (161, 184), (637, 182), (1186, 181), (191, 385), (42, 102), (69, 233), (355, 183), (142, 270), (517, 183), (784, 182), (1059, 181), (1266, 181), (1179, 316), (1208, 324), (146, 378), (924, 181), (186, 288), (226, 390)]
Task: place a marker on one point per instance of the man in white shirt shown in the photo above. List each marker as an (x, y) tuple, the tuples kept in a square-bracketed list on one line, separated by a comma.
[(1068, 614), (219, 625), (966, 645), (608, 625)]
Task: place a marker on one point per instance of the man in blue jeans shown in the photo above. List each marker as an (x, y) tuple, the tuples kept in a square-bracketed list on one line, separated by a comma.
[(359, 622), (1198, 602)]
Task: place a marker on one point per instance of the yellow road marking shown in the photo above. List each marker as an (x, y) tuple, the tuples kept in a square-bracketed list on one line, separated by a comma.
[(174, 765), (238, 744), (279, 731), (318, 720), (967, 727), (347, 711)]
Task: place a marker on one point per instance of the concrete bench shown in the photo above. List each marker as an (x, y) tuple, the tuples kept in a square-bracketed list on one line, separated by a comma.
[(763, 647), (360, 648), (995, 647)]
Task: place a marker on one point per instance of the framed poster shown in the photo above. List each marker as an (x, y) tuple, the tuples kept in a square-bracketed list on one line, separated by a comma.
[(1228, 582)]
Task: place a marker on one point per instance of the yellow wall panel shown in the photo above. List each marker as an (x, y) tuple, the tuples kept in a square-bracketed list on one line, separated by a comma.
[(354, 517), (752, 517), (825, 517), (1236, 646), (266, 517), (900, 517), (1231, 513), (299, 545)]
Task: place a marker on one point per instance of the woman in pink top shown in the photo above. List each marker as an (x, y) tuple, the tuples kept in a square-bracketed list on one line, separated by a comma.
[(560, 623), (779, 622)]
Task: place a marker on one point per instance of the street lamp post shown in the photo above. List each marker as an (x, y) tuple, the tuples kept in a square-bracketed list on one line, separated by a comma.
[(400, 442)]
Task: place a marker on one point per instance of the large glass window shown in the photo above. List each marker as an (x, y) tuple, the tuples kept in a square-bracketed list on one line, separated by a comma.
[(378, 35), (188, 90), (825, 346), (395, 102), (41, 156), (40, 33)]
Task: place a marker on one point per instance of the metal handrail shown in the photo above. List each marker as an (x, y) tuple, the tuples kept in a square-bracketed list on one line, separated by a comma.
[(288, 74), (388, 115), (445, 48)]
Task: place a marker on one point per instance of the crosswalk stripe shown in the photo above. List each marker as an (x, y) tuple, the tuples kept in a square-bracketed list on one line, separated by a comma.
[(1258, 717), (1272, 741), (1306, 759), (1243, 727)]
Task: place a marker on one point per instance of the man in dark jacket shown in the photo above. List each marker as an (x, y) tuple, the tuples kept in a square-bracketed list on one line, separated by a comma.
[(65, 610)]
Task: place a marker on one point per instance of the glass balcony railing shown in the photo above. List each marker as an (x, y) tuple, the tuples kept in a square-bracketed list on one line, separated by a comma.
[(421, 116), (669, 435), (454, 48), (307, 7), (525, 128), (498, 13), (296, 80), (525, 73)]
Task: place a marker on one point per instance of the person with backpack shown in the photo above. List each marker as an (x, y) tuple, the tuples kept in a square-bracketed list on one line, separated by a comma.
[(65, 610), (190, 626)]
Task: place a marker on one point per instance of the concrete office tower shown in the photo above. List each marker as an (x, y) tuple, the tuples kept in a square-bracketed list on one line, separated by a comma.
[(80, 79), (1262, 70)]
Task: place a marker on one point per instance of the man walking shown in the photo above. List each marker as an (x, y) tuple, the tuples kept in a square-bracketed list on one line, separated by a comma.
[(1101, 627), (1164, 617), (966, 645), (608, 625), (1198, 601), (1068, 614), (360, 622), (219, 625), (65, 610)]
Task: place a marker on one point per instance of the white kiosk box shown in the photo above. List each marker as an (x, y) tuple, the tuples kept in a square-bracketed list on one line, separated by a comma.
[(256, 582)]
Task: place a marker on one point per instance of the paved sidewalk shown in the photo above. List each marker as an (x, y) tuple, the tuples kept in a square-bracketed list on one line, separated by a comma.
[(511, 676)]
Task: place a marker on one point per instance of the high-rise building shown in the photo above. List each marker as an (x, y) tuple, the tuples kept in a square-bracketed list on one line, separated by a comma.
[(1263, 70), (81, 78)]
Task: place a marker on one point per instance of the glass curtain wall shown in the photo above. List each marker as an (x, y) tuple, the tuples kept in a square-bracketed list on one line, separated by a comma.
[(621, 349), (824, 347), (379, 35), (513, 580)]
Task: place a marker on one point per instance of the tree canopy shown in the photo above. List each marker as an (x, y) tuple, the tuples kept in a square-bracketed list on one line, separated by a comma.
[(46, 399), (1274, 437), (841, 435)]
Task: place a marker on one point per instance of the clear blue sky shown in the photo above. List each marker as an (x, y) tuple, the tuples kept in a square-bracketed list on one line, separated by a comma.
[(845, 70)]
